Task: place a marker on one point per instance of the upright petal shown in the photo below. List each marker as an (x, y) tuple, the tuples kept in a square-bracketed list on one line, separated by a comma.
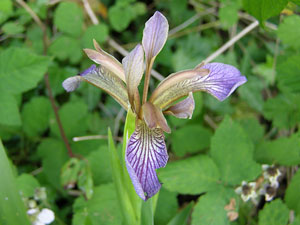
[(146, 151), (101, 78), (220, 81), (183, 109), (133, 65), (106, 60), (155, 35)]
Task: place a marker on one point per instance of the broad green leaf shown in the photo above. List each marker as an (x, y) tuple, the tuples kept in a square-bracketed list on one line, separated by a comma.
[(283, 151), (274, 213), (21, 70), (292, 194), (266, 70), (54, 155), (147, 212), (232, 150), (73, 116), (166, 207), (288, 31), (27, 184), (253, 128), (85, 180), (228, 13), (264, 9), (12, 210), (193, 175), (102, 208), (182, 217), (12, 28), (210, 208), (297, 2), (35, 116), (287, 74), (221, 108), (284, 111), (98, 32), (72, 53), (195, 138), (6, 8), (9, 112), (120, 17), (68, 18)]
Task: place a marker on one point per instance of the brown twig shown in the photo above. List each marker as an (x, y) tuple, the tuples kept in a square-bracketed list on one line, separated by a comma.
[(46, 77)]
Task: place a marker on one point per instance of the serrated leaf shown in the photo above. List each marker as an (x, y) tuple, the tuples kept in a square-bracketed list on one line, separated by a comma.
[(166, 207), (287, 74), (288, 31), (284, 111), (98, 32), (27, 184), (72, 53), (73, 116), (35, 116), (102, 208), (21, 70), (194, 175), (253, 128), (292, 194), (196, 138), (9, 112), (68, 18), (264, 9), (283, 151), (232, 150), (274, 213)]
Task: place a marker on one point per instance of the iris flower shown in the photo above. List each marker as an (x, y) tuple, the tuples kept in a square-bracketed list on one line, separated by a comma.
[(146, 149)]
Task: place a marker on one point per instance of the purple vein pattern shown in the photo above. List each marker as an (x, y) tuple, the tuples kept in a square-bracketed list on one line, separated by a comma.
[(146, 151), (222, 80)]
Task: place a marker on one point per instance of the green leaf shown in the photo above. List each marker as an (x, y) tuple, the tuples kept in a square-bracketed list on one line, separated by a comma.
[(102, 208), (266, 70), (195, 138), (85, 180), (12, 210), (120, 16), (210, 208), (35, 116), (274, 213), (69, 173), (253, 128), (283, 151), (68, 18), (73, 116), (98, 32), (284, 111), (264, 9), (147, 212), (190, 176), (27, 184), (12, 28), (182, 217), (9, 112), (59, 50), (287, 74), (6, 8), (231, 140), (166, 207), (228, 13), (21, 70), (292, 194), (288, 31), (54, 155)]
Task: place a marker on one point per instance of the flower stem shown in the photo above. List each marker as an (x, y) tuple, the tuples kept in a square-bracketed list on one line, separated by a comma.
[(147, 80)]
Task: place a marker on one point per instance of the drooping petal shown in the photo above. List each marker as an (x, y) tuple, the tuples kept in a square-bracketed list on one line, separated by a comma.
[(220, 82), (106, 60), (146, 151), (154, 117), (101, 78), (155, 35), (133, 65), (183, 109)]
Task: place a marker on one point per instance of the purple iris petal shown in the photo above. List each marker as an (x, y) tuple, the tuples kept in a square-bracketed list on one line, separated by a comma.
[(88, 70), (222, 80), (146, 151)]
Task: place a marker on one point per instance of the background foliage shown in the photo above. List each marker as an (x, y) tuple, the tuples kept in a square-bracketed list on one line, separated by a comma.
[(224, 143)]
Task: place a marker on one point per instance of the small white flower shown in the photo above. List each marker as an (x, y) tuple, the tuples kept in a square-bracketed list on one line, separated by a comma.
[(32, 211), (46, 216), (247, 191), (271, 173)]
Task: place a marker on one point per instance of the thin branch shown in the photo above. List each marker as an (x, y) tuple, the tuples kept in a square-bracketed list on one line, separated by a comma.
[(111, 42), (46, 77), (231, 42), (95, 137)]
